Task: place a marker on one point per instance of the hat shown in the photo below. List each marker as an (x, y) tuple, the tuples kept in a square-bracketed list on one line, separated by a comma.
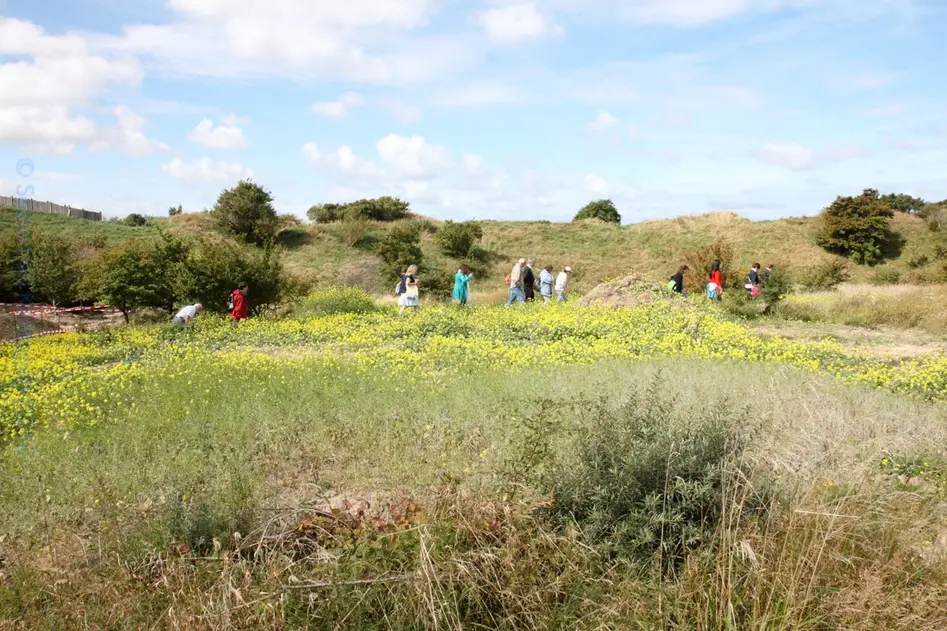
[(568, 269)]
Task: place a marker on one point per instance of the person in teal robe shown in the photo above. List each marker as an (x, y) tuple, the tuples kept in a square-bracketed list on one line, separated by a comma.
[(461, 282)]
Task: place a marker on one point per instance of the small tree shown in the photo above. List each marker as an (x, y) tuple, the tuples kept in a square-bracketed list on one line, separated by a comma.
[(904, 203), (400, 248), (136, 220), (325, 213), (128, 277), (51, 268), (175, 211), (856, 227), (247, 212), (457, 239), (700, 261), (603, 209)]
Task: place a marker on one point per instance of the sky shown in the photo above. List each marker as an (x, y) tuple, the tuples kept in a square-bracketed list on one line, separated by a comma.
[(474, 109)]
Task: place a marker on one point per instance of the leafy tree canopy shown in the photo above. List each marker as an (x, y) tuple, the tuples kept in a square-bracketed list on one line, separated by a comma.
[(857, 227), (247, 212), (603, 209)]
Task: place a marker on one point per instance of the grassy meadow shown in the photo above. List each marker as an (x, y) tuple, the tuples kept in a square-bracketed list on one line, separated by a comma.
[(350, 467)]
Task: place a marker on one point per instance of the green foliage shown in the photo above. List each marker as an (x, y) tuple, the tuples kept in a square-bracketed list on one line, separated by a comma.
[(353, 230), (646, 481), (826, 276), (135, 220), (51, 268), (212, 271), (700, 261), (456, 240), (11, 267), (129, 277), (886, 276), (247, 212), (400, 248), (378, 209), (603, 209), (175, 211), (904, 203), (335, 301), (775, 289), (857, 227)]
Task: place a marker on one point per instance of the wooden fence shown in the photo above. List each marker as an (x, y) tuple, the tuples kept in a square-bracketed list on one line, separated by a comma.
[(50, 208)]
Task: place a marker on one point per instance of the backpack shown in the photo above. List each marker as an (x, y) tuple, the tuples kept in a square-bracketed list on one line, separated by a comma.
[(400, 288), (672, 285), (230, 303)]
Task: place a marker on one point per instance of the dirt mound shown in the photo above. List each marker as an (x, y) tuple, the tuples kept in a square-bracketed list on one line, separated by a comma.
[(630, 291)]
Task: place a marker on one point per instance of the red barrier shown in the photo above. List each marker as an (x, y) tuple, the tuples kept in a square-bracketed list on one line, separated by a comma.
[(52, 310)]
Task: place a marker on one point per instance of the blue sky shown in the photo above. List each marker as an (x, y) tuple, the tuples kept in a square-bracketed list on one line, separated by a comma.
[(501, 109)]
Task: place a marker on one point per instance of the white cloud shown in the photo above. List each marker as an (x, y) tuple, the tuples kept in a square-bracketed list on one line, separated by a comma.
[(790, 156), (223, 136), (402, 111), (603, 121), (413, 157), (473, 164), (840, 153), (342, 160), (596, 185), (515, 23), (341, 107), (205, 171), (129, 135)]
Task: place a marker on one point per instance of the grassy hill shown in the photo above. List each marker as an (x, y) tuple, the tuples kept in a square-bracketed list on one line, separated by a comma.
[(595, 250)]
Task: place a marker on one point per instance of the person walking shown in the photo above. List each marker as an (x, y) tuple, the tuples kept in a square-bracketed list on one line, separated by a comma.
[(461, 281), (753, 280), (529, 281), (515, 280), (562, 281), (545, 284), (678, 281), (239, 310), (715, 282), (410, 295), (767, 273), (185, 315)]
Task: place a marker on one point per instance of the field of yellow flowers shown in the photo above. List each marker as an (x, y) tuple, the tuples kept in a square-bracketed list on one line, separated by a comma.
[(82, 379)]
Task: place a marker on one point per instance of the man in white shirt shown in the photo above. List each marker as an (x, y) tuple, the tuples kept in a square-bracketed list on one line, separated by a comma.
[(561, 282), (186, 314)]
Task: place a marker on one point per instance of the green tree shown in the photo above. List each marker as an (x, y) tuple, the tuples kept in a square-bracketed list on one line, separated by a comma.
[(603, 209), (51, 268), (135, 219), (175, 211), (904, 203), (128, 277), (457, 239), (400, 248), (10, 267), (247, 212), (325, 213), (857, 227), (378, 209), (212, 270)]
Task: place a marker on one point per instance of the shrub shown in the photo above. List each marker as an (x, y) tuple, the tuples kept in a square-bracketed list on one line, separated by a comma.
[(826, 276), (856, 227), (247, 212), (456, 240), (175, 211), (603, 209), (400, 248), (353, 230), (325, 213), (378, 209), (136, 220), (646, 479), (904, 203), (775, 289), (212, 270), (886, 276), (333, 301), (51, 268), (699, 262), (129, 277)]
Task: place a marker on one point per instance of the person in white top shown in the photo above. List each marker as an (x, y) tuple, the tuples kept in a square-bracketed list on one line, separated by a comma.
[(562, 280), (187, 314)]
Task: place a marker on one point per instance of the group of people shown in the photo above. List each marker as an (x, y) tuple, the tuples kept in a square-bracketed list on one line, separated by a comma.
[(523, 283), (236, 306), (755, 280)]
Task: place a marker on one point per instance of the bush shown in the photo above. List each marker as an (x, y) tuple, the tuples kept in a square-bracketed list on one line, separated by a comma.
[(247, 211), (400, 248), (212, 271), (826, 276), (603, 209), (333, 301), (857, 227), (775, 289), (378, 209), (51, 268), (354, 230), (886, 276), (645, 479), (136, 220), (175, 211), (456, 240), (132, 276), (699, 262), (325, 213)]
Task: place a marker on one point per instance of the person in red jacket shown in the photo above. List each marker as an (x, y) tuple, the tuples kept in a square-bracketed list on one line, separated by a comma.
[(240, 311), (716, 278)]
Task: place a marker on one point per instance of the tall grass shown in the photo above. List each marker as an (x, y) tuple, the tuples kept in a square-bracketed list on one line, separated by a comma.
[(210, 505)]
